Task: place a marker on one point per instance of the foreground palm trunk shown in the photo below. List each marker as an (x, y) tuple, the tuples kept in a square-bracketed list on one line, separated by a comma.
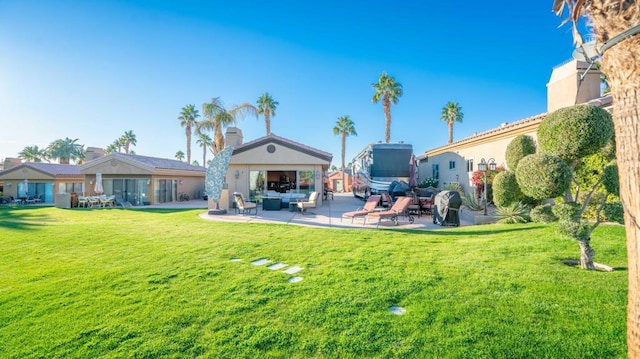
[(620, 63)]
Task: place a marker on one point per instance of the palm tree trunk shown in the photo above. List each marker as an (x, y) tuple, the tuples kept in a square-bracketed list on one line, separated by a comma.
[(450, 125), (344, 150), (267, 122), (623, 74), (188, 132), (386, 105)]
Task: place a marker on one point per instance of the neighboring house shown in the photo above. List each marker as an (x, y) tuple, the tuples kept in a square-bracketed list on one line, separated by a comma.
[(275, 164), (41, 180), (456, 162), (143, 180), (334, 180)]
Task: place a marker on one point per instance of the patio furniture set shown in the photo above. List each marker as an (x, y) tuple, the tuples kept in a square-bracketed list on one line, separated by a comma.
[(272, 202)]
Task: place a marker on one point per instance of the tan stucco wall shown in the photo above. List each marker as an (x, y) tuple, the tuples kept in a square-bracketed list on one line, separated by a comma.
[(282, 155)]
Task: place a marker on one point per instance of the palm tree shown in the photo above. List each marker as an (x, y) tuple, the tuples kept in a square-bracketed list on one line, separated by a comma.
[(129, 139), (344, 127), (188, 119), (451, 112), (609, 18), (217, 117), (389, 91), (32, 154), (111, 148), (267, 107), (65, 150), (179, 155), (204, 141)]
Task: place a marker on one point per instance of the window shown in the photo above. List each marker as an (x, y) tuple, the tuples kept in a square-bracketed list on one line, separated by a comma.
[(70, 187), (452, 165), (470, 165), (256, 184), (435, 171)]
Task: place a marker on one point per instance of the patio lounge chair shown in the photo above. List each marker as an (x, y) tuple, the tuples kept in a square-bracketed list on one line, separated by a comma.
[(369, 206), (398, 209), (310, 203), (242, 206)]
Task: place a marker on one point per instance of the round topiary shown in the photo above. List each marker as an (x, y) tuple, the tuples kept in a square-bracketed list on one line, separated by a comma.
[(543, 214), (610, 178), (517, 149), (543, 176), (505, 189), (575, 132)]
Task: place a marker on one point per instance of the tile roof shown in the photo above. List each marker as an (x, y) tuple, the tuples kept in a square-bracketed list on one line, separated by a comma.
[(162, 163), (53, 169)]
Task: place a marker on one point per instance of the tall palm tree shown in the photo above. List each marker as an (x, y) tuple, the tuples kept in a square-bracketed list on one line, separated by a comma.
[(204, 140), (267, 107), (389, 92), (451, 112), (65, 150), (217, 117), (188, 119), (179, 155), (609, 18), (32, 154), (117, 144), (129, 139), (111, 148), (344, 127)]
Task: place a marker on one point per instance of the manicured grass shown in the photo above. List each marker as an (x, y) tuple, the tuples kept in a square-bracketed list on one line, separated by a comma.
[(160, 283)]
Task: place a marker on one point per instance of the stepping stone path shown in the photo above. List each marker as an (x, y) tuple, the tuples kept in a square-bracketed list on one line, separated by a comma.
[(276, 266), (397, 310)]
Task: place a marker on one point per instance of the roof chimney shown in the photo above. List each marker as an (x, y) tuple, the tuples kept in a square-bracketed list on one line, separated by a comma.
[(233, 137), (565, 88)]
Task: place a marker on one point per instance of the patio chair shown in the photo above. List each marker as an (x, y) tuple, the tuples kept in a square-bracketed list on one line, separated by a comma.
[(310, 203), (242, 206), (398, 209), (415, 205), (369, 206)]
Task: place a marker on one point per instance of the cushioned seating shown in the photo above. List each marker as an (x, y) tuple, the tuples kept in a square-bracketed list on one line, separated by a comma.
[(310, 203), (369, 206), (242, 206), (398, 209)]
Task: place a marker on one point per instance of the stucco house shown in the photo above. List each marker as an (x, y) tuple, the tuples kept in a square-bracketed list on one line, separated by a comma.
[(570, 83), (41, 180)]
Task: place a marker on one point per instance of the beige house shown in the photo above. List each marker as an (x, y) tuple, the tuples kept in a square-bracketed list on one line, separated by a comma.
[(41, 180), (456, 162), (273, 165), (142, 180)]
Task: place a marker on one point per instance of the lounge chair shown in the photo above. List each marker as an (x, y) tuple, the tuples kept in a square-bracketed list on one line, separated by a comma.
[(242, 206), (398, 209), (369, 206), (310, 203), (386, 200)]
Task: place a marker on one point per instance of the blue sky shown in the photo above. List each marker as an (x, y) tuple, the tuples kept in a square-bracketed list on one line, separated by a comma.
[(94, 69)]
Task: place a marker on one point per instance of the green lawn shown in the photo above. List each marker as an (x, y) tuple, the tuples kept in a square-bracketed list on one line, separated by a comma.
[(160, 283)]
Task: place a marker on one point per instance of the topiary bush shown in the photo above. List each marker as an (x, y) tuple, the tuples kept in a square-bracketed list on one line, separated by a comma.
[(613, 212), (567, 211), (575, 132), (519, 148), (610, 178), (543, 214), (505, 189), (543, 176)]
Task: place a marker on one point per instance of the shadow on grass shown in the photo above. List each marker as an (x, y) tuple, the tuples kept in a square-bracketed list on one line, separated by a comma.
[(470, 231), (21, 218), (165, 210)]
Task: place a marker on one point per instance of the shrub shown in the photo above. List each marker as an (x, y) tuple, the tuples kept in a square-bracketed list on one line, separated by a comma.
[(505, 189), (575, 132), (454, 186), (519, 148), (610, 178), (471, 201), (575, 229), (429, 182), (516, 212), (613, 212), (567, 211), (543, 176), (543, 214)]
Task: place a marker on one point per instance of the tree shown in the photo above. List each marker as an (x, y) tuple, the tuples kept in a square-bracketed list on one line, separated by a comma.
[(111, 148), (520, 147), (388, 91), (566, 137), (65, 150), (267, 107), (188, 119), (179, 156), (451, 112), (129, 139), (203, 140), (217, 117), (619, 62), (32, 154), (344, 127)]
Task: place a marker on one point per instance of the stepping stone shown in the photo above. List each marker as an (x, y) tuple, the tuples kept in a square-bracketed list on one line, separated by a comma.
[(236, 259), (277, 266), (295, 279), (260, 262), (397, 310), (293, 270)]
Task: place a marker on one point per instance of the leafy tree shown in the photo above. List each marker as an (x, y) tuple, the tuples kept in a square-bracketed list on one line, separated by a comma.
[(195, 163), (566, 137), (217, 117), (129, 138), (267, 107), (204, 141), (389, 92), (451, 113), (32, 154), (188, 119), (179, 156), (65, 150), (344, 127), (334, 168), (520, 147)]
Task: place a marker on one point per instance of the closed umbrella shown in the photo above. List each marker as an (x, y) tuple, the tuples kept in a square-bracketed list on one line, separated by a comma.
[(413, 182), (98, 189)]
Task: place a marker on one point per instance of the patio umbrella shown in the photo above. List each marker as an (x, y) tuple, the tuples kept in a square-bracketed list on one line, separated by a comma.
[(98, 186), (413, 182)]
